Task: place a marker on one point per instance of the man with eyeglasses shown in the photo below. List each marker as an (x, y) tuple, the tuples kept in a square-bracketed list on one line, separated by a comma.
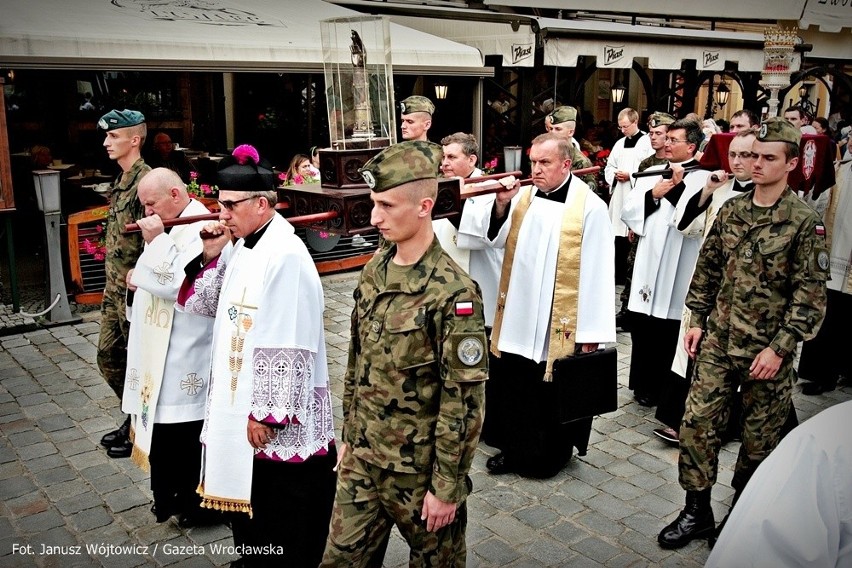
[(165, 155), (623, 161), (268, 435), (664, 260), (759, 288)]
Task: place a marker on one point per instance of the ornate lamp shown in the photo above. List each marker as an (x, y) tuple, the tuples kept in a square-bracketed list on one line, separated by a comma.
[(617, 93), (722, 94), (441, 91)]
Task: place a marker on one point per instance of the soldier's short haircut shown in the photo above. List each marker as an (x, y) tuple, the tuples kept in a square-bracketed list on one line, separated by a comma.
[(468, 142), (140, 130), (628, 113), (753, 119), (421, 188), (694, 135), (562, 144), (791, 150)]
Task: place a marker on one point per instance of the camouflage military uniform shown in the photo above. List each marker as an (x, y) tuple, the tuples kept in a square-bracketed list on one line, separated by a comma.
[(122, 253), (579, 161), (412, 407), (759, 282)]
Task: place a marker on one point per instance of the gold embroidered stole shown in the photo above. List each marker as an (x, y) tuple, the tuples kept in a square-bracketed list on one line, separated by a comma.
[(563, 319)]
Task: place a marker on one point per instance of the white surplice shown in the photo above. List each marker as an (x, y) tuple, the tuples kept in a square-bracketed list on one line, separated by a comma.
[(529, 299), (628, 160), (841, 232), (486, 261), (665, 258), (269, 331), (183, 359), (448, 235)]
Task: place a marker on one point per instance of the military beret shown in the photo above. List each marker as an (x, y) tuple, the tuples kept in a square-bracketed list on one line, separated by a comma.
[(245, 170), (115, 119), (660, 119), (563, 114), (777, 129), (401, 163), (416, 103)]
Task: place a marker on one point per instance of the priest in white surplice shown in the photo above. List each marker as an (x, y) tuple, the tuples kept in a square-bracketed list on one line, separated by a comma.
[(268, 435), (623, 160), (665, 259), (168, 355), (543, 229)]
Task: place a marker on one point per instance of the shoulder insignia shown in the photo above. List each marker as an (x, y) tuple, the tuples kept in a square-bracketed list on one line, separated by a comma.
[(464, 308), (470, 351), (823, 260), (820, 230)]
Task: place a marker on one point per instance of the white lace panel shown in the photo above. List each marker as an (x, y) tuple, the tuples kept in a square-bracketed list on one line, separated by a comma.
[(205, 298)]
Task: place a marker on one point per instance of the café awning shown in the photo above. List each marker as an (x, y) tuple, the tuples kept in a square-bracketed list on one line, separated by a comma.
[(196, 35), (615, 45)]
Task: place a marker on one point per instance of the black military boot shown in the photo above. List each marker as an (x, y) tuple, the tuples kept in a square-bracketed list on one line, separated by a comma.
[(695, 521), (117, 437)]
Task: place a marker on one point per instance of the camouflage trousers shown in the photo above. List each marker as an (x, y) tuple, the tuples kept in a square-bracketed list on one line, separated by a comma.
[(112, 342), (369, 501), (765, 408)]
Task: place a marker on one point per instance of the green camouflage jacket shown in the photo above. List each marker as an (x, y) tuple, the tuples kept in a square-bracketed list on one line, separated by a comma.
[(579, 161), (761, 282), (651, 160), (124, 207), (414, 389)]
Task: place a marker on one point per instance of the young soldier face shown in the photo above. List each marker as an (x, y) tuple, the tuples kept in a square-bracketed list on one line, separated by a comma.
[(397, 212), (770, 163), (658, 136), (565, 129), (415, 125), (455, 162), (549, 168), (118, 143)]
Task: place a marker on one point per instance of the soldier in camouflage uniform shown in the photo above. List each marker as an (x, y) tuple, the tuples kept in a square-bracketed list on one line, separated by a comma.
[(758, 289), (563, 121), (414, 388), (125, 135)]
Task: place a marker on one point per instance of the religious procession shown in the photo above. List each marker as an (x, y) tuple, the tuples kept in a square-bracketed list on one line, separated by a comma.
[(615, 343)]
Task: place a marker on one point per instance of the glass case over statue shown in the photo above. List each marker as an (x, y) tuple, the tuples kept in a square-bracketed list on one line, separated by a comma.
[(359, 95)]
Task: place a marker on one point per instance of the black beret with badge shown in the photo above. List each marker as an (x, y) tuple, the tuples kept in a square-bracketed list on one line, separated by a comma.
[(777, 129), (116, 119), (402, 163)]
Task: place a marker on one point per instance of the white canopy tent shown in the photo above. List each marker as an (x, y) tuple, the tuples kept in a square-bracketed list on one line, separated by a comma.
[(200, 35)]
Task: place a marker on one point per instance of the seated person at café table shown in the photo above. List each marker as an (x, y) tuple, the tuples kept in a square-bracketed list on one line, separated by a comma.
[(165, 155)]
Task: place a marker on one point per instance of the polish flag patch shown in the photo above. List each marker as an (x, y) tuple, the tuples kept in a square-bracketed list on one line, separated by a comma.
[(464, 308), (820, 230)]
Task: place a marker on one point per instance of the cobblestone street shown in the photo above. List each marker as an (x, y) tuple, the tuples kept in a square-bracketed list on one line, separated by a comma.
[(59, 489)]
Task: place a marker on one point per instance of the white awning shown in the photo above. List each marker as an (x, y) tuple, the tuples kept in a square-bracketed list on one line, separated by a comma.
[(718, 9), (203, 35), (665, 48), (830, 15), (490, 38), (827, 45)]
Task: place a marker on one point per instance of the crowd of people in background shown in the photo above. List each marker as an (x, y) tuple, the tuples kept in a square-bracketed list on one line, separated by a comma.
[(724, 272)]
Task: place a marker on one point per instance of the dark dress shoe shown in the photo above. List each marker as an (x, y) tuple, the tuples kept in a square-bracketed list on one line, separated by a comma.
[(622, 320), (817, 388), (121, 451), (117, 437), (499, 464), (644, 400)]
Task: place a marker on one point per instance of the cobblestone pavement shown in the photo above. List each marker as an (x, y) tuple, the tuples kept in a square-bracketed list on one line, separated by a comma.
[(59, 491)]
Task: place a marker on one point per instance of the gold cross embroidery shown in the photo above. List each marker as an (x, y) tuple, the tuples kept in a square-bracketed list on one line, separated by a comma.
[(243, 323)]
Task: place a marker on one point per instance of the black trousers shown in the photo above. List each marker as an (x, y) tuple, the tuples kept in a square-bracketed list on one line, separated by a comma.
[(823, 357), (522, 410), (622, 249), (291, 505), (654, 344), (175, 460)]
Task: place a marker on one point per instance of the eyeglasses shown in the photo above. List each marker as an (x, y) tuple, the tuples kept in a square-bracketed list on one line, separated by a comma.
[(229, 205), (673, 141), (741, 155), (625, 127)]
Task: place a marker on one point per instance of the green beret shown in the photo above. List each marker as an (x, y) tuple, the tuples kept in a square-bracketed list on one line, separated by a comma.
[(660, 119), (777, 129), (563, 114), (115, 119), (416, 103), (401, 163)]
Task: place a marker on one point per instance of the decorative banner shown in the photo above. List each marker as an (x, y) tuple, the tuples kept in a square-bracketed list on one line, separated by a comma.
[(711, 60), (521, 52), (612, 55)]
